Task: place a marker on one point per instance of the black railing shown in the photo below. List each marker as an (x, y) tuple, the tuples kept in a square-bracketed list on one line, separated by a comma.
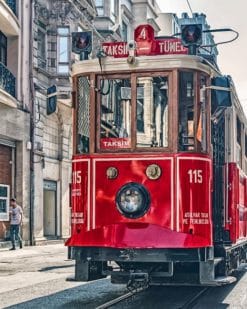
[(7, 80), (12, 5)]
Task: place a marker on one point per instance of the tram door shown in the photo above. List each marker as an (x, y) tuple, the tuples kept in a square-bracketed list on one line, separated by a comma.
[(50, 208)]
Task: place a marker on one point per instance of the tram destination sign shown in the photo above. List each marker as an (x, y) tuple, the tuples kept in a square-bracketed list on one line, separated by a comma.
[(145, 44)]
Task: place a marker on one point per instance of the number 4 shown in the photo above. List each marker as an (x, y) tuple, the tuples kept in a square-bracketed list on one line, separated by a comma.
[(195, 176), (143, 34)]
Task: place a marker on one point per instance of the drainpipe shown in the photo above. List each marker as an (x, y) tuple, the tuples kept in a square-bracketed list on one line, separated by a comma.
[(32, 126)]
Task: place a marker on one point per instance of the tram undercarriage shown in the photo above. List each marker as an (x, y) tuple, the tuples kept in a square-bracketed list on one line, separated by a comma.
[(140, 267)]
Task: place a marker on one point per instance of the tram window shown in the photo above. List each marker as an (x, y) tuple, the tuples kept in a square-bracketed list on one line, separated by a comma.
[(238, 145), (186, 111), (245, 159), (115, 105), (201, 127), (152, 111), (238, 131), (83, 115)]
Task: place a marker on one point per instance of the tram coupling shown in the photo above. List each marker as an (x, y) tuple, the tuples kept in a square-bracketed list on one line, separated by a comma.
[(138, 281)]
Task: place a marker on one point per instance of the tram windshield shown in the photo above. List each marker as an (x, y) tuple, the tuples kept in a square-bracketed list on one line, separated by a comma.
[(149, 110), (192, 112), (152, 111), (115, 113), (142, 111)]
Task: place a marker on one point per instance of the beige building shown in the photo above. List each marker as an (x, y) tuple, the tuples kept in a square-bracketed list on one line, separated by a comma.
[(53, 23), (14, 111), (117, 19)]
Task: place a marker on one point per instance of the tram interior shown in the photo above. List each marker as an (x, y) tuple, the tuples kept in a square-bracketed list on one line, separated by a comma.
[(151, 110)]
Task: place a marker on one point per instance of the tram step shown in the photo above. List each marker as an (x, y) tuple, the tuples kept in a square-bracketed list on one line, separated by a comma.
[(218, 281), (218, 260)]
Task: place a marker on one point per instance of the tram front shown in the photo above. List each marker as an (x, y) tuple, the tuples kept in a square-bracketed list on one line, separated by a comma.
[(142, 179)]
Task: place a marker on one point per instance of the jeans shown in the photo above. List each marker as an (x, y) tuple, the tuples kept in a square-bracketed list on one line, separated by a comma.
[(15, 234)]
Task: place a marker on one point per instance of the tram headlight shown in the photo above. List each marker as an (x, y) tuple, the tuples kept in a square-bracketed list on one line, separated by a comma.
[(133, 200)]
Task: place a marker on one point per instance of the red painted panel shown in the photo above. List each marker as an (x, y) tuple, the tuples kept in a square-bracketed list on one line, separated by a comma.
[(133, 170), (163, 225), (233, 201), (237, 203), (194, 196), (136, 235), (80, 188)]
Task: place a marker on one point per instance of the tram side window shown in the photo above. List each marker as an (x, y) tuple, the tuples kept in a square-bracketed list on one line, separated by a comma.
[(115, 111), (245, 158), (238, 145), (201, 126), (83, 115), (186, 111), (152, 111)]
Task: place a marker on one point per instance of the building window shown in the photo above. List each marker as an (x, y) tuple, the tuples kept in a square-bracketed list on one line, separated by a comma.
[(113, 10), (63, 50), (100, 7), (4, 202), (41, 49), (124, 32), (3, 49)]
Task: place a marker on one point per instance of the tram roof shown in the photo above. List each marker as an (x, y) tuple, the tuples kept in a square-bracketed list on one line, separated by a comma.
[(143, 63)]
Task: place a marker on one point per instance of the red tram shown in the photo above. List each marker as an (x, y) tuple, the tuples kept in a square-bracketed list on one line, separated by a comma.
[(159, 185)]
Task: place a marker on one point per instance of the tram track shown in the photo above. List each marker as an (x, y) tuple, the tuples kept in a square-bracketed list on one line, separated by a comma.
[(188, 304), (121, 298)]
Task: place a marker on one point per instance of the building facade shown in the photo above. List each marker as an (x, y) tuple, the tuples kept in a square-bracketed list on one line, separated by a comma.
[(117, 19), (14, 111), (53, 23)]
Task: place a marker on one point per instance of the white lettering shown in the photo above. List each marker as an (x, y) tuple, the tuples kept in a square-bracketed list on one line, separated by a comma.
[(196, 218), (195, 176), (76, 177), (167, 47), (143, 34)]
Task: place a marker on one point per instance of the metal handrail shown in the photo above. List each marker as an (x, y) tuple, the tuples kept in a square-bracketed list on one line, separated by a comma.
[(7, 80)]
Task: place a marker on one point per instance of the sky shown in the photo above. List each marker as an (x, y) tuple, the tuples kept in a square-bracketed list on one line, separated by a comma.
[(232, 14)]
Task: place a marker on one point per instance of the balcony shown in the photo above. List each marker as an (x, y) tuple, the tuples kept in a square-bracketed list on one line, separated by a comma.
[(12, 5), (7, 86), (9, 24)]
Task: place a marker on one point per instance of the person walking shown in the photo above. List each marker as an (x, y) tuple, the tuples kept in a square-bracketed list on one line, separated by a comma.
[(16, 214)]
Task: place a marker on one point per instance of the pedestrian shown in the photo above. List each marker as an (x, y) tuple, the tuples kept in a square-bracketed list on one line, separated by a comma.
[(16, 214)]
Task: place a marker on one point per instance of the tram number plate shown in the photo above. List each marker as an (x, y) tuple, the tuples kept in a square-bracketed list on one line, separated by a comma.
[(195, 176)]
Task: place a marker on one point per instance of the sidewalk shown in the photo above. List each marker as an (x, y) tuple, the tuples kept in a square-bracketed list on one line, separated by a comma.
[(5, 244), (33, 265), (31, 251), (33, 272)]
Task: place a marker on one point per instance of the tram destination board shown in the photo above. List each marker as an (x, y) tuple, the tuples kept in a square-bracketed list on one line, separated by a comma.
[(145, 45)]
